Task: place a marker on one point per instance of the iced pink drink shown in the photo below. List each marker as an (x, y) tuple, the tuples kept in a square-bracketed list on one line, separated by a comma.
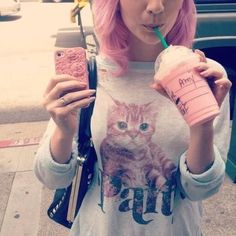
[(185, 86)]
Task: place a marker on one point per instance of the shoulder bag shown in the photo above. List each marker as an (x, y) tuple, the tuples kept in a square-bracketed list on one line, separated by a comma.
[(67, 201)]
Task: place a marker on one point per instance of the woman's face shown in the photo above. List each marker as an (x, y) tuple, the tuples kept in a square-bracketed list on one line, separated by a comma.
[(141, 16)]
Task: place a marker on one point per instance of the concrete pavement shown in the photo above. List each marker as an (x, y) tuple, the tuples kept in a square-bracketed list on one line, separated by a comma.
[(28, 42), (23, 200)]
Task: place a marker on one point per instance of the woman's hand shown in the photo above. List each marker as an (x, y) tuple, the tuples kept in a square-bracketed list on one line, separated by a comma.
[(63, 97), (200, 155), (214, 74)]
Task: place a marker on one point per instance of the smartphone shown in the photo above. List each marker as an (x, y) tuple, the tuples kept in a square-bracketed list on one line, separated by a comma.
[(72, 61)]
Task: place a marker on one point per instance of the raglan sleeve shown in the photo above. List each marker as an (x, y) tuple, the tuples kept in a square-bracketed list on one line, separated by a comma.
[(50, 173), (201, 186)]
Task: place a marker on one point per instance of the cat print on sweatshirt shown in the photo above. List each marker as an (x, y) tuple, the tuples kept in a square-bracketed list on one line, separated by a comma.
[(129, 156)]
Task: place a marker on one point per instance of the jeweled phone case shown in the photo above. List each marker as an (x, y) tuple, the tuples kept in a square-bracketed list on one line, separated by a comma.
[(72, 61)]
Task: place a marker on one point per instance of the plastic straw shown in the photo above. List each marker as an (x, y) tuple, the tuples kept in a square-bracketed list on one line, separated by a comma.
[(160, 36)]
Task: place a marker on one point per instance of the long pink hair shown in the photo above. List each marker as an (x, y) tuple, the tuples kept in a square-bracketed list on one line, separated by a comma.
[(112, 34)]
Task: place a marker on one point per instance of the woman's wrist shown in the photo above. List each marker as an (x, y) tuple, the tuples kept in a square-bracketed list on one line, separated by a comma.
[(64, 136), (61, 146), (200, 155), (206, 128)]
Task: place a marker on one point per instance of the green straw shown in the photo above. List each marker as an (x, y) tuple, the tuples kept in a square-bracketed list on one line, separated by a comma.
[(160, 36)]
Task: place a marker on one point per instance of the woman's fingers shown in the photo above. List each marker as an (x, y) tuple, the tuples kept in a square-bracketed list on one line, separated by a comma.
[(70, 98), (63, 97), (224, 83), (214, 75), (208, 71), (201, 55), (61, 88), (75, 96), (59, 81), (58, 88), (62, 111), (222, 87), (159, 88)]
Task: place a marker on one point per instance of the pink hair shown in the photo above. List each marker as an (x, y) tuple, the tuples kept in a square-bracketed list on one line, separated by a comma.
[(112, 33), (184, 29)]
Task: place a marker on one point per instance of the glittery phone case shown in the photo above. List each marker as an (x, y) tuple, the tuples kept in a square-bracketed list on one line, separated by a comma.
[(72, 61)]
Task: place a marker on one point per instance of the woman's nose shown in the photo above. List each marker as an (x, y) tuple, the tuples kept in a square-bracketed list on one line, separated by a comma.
[(155, 7)]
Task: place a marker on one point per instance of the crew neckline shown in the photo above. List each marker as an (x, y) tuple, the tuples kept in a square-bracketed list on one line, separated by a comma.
[(133, 65)]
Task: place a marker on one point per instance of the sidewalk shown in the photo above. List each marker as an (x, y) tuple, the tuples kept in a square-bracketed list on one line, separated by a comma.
[(23, 84), (23, 200)]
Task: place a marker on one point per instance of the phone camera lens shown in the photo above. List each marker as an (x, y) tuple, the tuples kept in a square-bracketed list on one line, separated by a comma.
[(59, 54)]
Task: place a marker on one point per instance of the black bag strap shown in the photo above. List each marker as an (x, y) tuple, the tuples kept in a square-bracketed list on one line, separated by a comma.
[(84, 135)]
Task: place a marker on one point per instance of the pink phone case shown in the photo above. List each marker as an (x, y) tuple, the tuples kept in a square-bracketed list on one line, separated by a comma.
[(72, 61)]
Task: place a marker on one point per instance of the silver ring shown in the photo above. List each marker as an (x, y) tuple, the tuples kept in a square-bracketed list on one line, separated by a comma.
[(63, 101)]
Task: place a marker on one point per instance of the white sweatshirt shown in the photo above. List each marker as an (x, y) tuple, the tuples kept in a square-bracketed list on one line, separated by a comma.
[(141, 186)]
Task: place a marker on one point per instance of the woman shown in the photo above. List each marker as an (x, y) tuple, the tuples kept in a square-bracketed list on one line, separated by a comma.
[(152, 170)]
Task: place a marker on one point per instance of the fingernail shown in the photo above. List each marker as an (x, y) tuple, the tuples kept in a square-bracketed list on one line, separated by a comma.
[(91, 92), (83, 84), (91, 99), (203, 73)]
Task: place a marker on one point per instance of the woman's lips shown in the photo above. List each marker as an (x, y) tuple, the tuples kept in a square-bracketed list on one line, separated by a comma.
[(151, 27)]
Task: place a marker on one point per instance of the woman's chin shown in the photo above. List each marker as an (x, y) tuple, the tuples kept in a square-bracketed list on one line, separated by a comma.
[(150, 39), (151, 42)]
